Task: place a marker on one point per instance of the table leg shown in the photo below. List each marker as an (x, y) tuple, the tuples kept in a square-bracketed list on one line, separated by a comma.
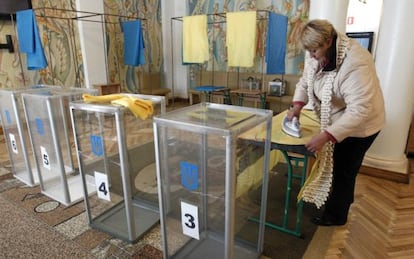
[(284, 227), (227, 98), (302, 176), (208, 96), (263, 100), (240, 99)]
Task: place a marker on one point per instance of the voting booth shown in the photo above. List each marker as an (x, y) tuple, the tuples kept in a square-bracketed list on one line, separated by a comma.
[(49, 126), (212, 182), (115, 147), (23, 162)]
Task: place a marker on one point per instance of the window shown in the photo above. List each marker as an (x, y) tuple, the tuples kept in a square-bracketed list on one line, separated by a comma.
[(364, 38)]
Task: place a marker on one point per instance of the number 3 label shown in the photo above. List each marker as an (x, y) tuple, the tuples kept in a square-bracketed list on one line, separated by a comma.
[(189, 220), (101, 182)]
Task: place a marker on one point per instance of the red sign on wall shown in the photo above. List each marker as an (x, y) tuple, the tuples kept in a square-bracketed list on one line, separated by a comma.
[(350, 20)]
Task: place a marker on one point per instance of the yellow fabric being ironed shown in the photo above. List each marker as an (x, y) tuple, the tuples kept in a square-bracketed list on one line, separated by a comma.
[(309, 126), (241, 38), (252, 176), (195, 40), (139, 107)]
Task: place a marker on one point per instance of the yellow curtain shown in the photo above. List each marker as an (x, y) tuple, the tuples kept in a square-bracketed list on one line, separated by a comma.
[(195, 41), (241, 38)]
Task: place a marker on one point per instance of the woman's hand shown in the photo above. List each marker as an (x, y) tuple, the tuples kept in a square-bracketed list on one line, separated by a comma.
[(294, 111), (317, 142)]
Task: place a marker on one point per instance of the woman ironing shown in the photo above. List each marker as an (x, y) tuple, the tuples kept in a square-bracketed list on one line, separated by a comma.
[(340, 81)]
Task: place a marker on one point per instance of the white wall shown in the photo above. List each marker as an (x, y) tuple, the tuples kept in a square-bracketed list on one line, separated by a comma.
[(176, 74), (333, 11), (364, 17), (91, 35)]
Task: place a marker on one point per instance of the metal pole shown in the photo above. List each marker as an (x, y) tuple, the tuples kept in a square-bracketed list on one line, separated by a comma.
[(20, 57), (172, 60), (58, 151)]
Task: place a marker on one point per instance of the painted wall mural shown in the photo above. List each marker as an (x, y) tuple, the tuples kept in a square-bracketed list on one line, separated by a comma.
[(150, 13), (60, 38), (10, 72), (61, 49)]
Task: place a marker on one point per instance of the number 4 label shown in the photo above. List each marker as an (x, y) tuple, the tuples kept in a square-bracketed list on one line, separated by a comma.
[(189, 220), (101, 182)]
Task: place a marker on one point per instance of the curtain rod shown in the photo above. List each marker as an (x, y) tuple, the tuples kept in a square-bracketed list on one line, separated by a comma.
[(223, 15), (83, 14)]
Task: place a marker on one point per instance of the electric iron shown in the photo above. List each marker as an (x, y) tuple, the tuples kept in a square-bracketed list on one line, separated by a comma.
[(291, 127)]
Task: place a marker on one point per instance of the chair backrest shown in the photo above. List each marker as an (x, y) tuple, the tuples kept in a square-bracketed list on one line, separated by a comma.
[(215, 78), (149, 80)]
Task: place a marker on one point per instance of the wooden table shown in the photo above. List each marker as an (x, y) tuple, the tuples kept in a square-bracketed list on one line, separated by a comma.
[(208, 90), (258, 96)]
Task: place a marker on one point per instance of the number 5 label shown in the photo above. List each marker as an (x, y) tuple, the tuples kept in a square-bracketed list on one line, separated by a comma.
[(189, 220), (45, 158), (101, 182)]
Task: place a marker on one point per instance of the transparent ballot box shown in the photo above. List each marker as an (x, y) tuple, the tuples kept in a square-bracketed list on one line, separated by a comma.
[(49, 126), (116, 149), (17, 137), (213, 180)]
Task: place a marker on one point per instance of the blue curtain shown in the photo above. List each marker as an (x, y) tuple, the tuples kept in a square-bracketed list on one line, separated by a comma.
[(276, 44), (134, 54), (29, 40)]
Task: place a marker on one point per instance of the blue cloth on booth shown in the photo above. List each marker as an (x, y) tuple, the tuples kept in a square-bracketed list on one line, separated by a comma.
[(276, 43), (134, 54), (29, 40)]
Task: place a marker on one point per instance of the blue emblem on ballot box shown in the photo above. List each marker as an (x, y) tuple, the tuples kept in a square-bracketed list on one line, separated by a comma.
[(97, 145), (39, 126), (8, 117), (189, 175)]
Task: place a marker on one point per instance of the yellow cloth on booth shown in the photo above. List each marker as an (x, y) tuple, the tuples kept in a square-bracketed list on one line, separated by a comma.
[(87, 98), (241, 38), (195, 40), (139, 107)]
